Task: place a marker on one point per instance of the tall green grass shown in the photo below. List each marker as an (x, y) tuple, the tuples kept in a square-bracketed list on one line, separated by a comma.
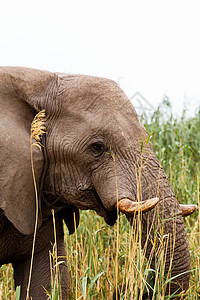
[(96, 250), (176, 142)]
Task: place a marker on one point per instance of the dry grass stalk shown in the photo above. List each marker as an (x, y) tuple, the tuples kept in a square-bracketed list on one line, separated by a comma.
[(37, 130)]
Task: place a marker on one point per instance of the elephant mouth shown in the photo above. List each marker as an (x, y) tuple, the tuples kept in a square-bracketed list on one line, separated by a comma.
[(56, 202), (110, 216), (124, 205)]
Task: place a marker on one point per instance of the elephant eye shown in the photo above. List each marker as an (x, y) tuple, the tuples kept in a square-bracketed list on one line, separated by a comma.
[(97, 148)]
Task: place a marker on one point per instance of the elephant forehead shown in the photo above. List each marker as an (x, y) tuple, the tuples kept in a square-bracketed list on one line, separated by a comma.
[(90, 93), (100, 111), (95, 105), (114, 127)]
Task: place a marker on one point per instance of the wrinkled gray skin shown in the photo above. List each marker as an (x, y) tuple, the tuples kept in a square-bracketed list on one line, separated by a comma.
[(86, 117)]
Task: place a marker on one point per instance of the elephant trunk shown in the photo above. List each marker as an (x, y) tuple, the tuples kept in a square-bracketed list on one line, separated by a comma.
[(163, 228), (168, 235)]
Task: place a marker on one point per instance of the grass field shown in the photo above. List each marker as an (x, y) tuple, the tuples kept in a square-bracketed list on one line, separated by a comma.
[(100, 256)]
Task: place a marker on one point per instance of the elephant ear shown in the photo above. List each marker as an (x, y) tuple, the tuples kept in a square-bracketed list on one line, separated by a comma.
[(22, 95)]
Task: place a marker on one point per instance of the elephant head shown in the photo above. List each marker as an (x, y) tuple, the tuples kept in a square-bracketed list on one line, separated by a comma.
[(94, 139)]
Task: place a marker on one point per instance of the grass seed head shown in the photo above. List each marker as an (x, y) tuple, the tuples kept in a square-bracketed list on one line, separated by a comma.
[(38, 128)]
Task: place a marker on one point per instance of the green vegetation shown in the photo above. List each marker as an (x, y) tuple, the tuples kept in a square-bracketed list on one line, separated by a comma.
[(97, 252), (176, 143)]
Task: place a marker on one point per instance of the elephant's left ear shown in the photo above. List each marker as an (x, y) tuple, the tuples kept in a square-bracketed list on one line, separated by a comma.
[(23, 93), (70, 214)]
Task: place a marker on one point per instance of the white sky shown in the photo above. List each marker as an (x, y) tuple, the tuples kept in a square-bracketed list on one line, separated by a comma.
[(148, 46)]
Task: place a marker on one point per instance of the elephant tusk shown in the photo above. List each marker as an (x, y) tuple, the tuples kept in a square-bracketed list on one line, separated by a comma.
[(127, 206), (188, 209)]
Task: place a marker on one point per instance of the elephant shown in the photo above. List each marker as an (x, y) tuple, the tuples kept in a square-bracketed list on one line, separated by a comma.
[(90, 123)]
